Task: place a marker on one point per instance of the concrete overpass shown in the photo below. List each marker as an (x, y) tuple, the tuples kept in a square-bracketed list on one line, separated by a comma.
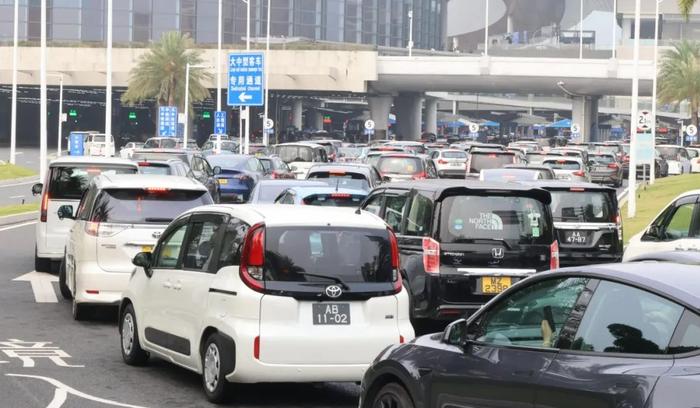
[(386, 80)]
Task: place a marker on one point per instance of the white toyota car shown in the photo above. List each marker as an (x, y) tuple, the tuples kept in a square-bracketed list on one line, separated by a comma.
[(118, 217), (267, 294)]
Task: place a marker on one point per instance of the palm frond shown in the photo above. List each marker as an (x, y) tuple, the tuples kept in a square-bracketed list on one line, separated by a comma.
[(686, 6)]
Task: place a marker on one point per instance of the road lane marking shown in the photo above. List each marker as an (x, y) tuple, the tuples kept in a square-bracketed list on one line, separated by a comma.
[(41, 286), (24, 224), (57, 402), (19, 184), (17, 196)]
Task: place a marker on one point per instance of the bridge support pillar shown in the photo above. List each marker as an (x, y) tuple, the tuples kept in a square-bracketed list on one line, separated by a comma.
[(585, 113), (379, 109), (297, 111), (431, 108), (316, 119), (408, 115)]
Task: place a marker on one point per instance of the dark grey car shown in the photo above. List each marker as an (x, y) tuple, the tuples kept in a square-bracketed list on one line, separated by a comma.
[(615, 335)]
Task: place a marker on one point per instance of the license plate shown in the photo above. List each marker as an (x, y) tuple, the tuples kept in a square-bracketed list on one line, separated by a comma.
[(576, 237), (146, 248), (331, 313), (455, 164), (495, 284), (223, 181)]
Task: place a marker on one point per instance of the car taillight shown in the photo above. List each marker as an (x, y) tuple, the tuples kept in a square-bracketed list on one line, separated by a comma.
[(340, 195), (395, 263), (253, 257), (44, 205), (256, 348), (554, 255), (92, 228), (442, 161), (419, 176), (613, 166), (579, 173), (626, 159), (431, 256), (618, 224)]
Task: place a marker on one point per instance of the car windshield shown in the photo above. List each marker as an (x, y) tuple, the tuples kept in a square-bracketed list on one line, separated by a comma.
[(69, 183), (350, 152), (334, 199), (536, 157), (155, 168), (602, 158), (485, 160), (341, 179), (513, 219), (669, 152), (562, 164), (228, 162), (290, 154), (509, 175), (351, 255), (98, 138), (417, 149), (399, 165), (584, 206), (143, 206), (454, 155), (151, 144)]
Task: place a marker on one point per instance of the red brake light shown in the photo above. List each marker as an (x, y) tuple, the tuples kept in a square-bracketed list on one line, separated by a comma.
[(419, 176), (92, 228), (256, 348), (613, 166), (401, 340), (253, 257), (44, 205), (554, 255), (431, 256), (144, 164), (493, 155), (340, 195), (579, 173), (156, 189), (577, 189), (395, 263), (442, 161)]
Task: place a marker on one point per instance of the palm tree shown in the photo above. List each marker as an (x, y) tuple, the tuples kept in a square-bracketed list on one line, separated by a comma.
[(679, 76), (686, 6), (160, 73)]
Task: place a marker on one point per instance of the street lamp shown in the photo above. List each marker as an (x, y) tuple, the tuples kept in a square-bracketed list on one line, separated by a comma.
[(60, 112), (42, 95), (187, 98), (15, 57), (410, 32), (218, 61), (266, 136), (652, 167), (486, 30), (632, 195), (108, 91)]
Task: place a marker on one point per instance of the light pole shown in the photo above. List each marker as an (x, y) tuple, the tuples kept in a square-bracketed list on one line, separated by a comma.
[(60, 112), (218, 61), (266, 136), (247, 48), (632, 187), (410, 32), (187, 98), (108, 91), (42, 95), (486, 30), (652, 166), (580, 33), (15, 57), (614, 29)]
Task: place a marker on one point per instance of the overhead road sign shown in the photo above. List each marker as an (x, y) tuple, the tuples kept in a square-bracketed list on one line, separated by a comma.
[(167, 121), (246, 73), (220, 123)]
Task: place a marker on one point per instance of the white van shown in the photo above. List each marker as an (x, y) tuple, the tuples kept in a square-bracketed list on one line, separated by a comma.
[(66, 180), (95, 144)]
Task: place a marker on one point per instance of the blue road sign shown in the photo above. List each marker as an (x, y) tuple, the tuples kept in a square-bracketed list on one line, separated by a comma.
[(220, 123), (167, 121), (76, 145), (245, 78)]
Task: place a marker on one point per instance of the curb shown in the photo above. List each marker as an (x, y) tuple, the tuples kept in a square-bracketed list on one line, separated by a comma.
[(622, 197), (18, 218), (21, 180)]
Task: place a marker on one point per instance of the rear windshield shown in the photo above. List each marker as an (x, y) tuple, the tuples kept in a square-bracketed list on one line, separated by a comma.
[(601, 158), (334, 200), (97, 138), (290, 154), (584, 206), (607, 149), (341, 179), (399, 165), (142, 206), (352, 255), (520, 220), (482, 160), (509, 175), (155, 168), (669, 152), (454, 155), (69, 183), (536, 157), (563, 164)]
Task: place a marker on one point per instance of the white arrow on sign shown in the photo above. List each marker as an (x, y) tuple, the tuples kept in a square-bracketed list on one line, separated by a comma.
[(41, 286), (243, 97)]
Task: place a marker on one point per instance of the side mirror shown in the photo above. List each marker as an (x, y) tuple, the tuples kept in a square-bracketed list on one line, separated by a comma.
[(217, 170), (143, 259), (37, 188), (455, 333), (386, 179), (65, 211), (653, 233)]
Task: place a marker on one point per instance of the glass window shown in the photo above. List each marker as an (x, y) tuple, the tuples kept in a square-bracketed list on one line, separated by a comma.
[(687, 336), (400, 165), (334, 200), (200, 245), (146, 205), (169, 249), (86, 204), (583, 206), (489, 160), (374, 204), (69, 183), (532, 316), (233, 241), (623, 319), (679, 224), (419, 216), (393, 214)]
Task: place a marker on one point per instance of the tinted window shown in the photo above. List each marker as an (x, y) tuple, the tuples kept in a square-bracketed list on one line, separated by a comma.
[(669, 152), (454, 155), (169, 249), (515, 219), (146, 206), (562, 164), (290, 154), (200, 245), (532, 316), (692, 153), (155, 168), (679, 224), (399, 165), (419, 216), (354, 255), (342, 179), (233, 239), (687, 336), (483, 160), (623, 319), (69, 183), (508, 175), (588, 206), (393, 213), (602, 158), (374, 204), (334, 200)]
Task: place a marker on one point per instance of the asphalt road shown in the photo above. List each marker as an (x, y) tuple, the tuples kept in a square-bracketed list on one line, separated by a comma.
[(87, 368), (20, 193)]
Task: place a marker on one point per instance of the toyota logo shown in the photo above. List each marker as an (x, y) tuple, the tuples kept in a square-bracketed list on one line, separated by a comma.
[(333, 291), (156, 234), (497, 253)]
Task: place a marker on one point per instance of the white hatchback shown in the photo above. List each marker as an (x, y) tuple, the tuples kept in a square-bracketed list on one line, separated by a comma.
[(450, 162), (253, 294), (118, 217)]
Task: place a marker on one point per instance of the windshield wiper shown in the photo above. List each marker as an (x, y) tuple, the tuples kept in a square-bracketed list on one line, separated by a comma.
[(329, 277)]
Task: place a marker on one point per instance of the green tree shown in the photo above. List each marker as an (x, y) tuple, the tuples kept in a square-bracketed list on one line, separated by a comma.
[(160, 73), (686, 6), (679, 76)]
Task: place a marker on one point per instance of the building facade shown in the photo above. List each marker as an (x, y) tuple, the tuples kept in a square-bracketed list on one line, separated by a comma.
[(374, 22)]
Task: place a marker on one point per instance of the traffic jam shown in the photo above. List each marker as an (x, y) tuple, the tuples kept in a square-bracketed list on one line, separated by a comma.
[(432, 273)]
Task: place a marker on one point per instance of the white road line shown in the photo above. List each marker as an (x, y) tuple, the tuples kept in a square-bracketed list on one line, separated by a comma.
[(24, 224), (59, 397), (68, 390), (17, 196), (41, 286), (20, 184)]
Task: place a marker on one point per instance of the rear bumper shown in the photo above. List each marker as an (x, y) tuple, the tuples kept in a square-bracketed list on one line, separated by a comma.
[(108, 285), (605, 178), (256, 372), (579, 258), (452, 173)]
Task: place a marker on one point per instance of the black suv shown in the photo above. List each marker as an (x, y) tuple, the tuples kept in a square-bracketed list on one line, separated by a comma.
[(587, 222), (463, 243)]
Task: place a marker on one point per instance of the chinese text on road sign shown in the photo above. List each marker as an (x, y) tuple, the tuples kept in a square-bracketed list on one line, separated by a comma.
[(220, 123), (167, 121), (245, 79)]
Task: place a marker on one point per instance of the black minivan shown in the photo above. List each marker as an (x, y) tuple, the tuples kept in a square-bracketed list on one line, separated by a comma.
[(463, 243)]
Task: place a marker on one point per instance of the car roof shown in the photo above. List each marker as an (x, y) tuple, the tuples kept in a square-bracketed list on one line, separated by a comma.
[(563, 184), (73, 160), (360, 167), (491, 151), (158, 160), (439, 186), (147, 181), (326, 189), (563, 158), (301, 144), (291, 182)]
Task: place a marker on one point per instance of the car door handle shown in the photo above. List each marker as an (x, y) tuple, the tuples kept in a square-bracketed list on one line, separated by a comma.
[(167, 285)]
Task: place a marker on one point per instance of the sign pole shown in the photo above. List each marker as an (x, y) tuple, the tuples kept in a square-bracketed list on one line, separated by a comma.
[(266, 135), (218, 61), (60, 116), (187, 104), (108, 92), (652, 168), (15, 58), (632, 192), (42, 95)]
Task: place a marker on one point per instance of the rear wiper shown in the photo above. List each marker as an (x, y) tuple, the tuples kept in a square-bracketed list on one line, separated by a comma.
[(156, 219), (329, 277)]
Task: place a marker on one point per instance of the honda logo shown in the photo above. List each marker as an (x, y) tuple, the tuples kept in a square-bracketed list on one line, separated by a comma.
[(333, 291), (498, 253)]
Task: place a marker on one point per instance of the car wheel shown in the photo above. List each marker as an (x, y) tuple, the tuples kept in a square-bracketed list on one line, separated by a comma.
[(392, 395), (217, 362), (65, 291), (132, 353), (41, 264)]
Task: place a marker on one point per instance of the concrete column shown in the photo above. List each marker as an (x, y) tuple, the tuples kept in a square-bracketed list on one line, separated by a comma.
[(297, 111), (379, 109), (408, 115), (431, 106), (316, 119), (585, 113)]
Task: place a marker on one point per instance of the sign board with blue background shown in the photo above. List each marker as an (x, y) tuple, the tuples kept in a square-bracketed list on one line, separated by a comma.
[(76, 144), (645, 148), (167, 121), (246, 78), (220, 123)]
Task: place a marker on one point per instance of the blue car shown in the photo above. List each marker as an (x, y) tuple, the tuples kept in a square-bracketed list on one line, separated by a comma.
[(237, 175)]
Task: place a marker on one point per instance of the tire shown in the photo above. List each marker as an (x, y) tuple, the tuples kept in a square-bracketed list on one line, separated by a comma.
[(132, 353), (79, 311), (392, 395), (65, 291), (217, 362), (41, 264)]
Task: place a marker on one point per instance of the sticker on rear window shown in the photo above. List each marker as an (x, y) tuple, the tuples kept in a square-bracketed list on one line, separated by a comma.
[(487, 222), (458, 224), (535, 232)]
